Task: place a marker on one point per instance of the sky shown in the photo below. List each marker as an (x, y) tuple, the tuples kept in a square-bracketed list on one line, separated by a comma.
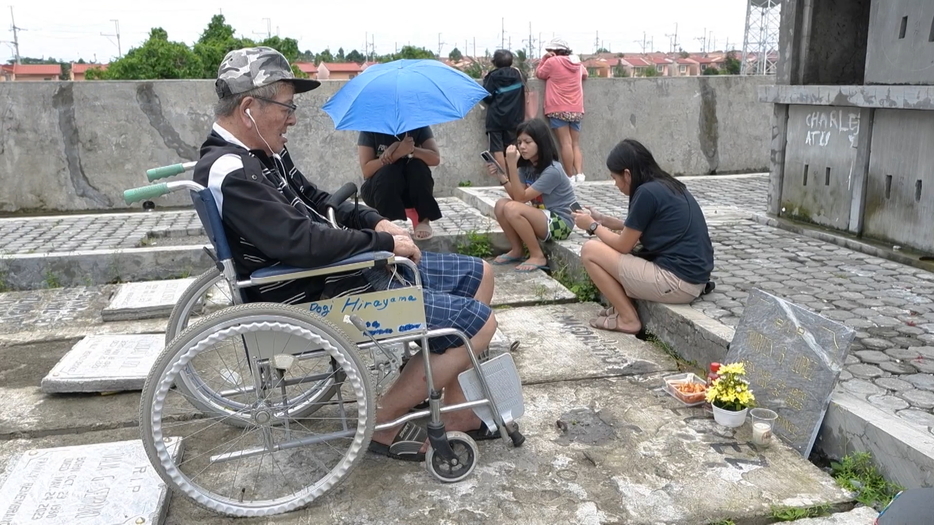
[(69, 30)]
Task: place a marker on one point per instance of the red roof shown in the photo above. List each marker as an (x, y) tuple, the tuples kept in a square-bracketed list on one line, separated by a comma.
[(599, 62), (636, 61), (33, 69), (686, 61), (307, 68), (346, 67), (83, 68), (659, 60)]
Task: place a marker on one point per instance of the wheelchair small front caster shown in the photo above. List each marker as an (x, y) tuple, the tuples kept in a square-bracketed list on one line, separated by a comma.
[(451, 471)]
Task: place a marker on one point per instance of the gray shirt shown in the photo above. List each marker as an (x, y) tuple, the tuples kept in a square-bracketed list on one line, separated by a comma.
[(557, 192)]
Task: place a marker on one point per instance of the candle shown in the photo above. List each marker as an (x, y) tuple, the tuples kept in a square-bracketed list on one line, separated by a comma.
[(761, 434)]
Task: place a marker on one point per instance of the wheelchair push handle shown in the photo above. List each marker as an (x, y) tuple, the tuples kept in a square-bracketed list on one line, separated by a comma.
[(145, 193), (168, 171), (338, 197), (343, 193)]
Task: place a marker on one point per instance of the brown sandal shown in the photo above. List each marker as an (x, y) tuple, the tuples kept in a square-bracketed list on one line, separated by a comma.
[(606, 312), (610, 323)]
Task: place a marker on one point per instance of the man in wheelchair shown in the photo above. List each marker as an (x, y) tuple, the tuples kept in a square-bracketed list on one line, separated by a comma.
[(273, 215)]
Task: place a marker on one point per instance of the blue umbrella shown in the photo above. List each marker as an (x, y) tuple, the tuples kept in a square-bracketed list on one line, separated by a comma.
[(403, 95)]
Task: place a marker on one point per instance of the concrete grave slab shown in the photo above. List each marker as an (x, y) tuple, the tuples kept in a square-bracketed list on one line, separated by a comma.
[(523, 289), (89, 484), (105, 363), (558, 344), (145, 300), (620, 454)]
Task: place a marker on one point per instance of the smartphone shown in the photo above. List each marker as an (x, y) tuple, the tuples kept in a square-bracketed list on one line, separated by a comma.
[(576, 206), (488, 158)]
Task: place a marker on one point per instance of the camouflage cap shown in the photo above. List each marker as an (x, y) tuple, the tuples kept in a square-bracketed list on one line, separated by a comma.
[(253, 67)]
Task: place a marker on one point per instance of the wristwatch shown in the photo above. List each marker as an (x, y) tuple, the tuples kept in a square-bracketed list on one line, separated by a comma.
[(592, 229)]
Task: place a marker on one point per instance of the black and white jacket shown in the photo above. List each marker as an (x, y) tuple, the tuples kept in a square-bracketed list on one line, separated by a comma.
[(272, 215)]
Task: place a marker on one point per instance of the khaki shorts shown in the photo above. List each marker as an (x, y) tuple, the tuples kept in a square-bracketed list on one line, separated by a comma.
[(645, 280)]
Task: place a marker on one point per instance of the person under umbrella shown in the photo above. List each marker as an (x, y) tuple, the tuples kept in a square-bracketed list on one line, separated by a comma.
[(397, 176)]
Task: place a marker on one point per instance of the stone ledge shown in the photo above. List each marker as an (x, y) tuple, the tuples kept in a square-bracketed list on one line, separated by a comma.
[(880, 97), (844, 240)]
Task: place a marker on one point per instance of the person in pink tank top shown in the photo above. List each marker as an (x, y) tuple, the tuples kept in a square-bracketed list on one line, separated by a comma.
[(564, 74)]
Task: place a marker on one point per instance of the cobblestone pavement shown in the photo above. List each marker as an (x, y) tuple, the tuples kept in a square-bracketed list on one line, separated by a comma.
[(91, 232), (133, 230), (890, 305)]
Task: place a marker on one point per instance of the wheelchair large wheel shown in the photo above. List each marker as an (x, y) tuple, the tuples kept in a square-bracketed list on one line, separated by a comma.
[(207, 294), (218, 386), (275, 461)]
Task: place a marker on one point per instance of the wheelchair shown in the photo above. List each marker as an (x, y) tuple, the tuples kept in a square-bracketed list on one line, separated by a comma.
[(257, 409)]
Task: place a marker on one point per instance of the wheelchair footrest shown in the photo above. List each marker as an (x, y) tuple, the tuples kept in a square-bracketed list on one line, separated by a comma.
[(502, 376)]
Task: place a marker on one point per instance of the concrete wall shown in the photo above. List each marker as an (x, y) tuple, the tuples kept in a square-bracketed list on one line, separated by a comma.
[(899, 204), (901, 42), (835, 49), (76, 146), (819, 158)]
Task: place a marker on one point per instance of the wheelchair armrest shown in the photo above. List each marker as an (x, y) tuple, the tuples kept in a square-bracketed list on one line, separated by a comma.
[(282, 272)]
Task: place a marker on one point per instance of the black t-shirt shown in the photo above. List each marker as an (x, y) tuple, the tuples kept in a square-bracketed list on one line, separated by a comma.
[(380, 141), (673, 227)]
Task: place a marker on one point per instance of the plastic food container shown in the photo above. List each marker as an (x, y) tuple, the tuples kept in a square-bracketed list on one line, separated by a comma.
[(689, 399)]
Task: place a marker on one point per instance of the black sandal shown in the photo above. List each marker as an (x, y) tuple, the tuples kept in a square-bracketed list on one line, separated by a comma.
[(405, 446)]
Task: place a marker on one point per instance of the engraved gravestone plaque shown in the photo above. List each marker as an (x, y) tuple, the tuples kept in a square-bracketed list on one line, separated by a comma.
[(106, 483), (105, 363), (793, 358), (145, 300)]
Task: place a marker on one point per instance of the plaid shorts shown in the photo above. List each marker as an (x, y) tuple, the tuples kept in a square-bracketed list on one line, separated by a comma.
[(449, 283)]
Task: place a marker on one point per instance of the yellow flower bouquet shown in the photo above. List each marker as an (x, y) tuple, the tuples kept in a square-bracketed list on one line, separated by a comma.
[(730, 391)]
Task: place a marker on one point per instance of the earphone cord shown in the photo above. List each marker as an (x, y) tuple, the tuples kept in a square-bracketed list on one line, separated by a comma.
[(280, 168)]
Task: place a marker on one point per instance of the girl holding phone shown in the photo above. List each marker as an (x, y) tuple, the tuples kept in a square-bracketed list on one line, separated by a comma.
[(540, 197)]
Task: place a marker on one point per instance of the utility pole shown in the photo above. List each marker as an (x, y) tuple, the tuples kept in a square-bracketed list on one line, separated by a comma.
[(673, 44), (268, 27), (117, 34), (510, 44), (440, 45), (642, 42), (502, 44), (531, 43), (15, 36), (596, 43), (703, 41), (475, 47), (540, 43), (373, 46)]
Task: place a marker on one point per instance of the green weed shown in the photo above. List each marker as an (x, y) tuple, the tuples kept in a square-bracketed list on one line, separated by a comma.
[(794, 513), (475, 244), (856, 472), (578, 282)]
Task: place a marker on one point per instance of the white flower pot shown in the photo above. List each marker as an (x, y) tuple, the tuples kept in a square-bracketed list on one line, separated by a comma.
[(729, 418)]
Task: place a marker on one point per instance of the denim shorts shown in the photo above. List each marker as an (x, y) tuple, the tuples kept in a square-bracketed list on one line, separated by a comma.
[(449, 283), (558, 123)]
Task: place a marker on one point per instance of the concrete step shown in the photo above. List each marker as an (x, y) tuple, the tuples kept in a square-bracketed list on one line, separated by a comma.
[(159, 245), (605, 444)]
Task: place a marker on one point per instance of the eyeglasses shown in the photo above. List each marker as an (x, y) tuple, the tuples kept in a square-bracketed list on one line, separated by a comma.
[(290, 107)]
